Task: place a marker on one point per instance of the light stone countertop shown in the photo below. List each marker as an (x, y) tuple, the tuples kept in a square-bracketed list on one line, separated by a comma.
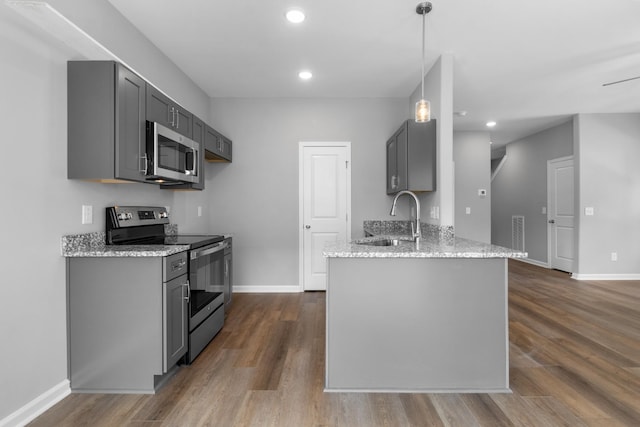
[(429, 247), (93, 245)]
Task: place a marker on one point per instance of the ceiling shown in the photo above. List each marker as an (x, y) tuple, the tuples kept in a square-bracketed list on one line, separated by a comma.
[(528, 65)]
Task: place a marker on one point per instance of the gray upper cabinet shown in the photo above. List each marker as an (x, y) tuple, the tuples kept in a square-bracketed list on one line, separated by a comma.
[(161, 109), (411, 158), (217, 146), (106, 122)]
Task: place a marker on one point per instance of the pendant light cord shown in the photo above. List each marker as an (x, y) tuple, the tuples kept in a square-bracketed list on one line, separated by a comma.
[(424, 14)]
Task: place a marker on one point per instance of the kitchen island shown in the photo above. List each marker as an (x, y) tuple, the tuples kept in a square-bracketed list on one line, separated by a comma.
[(431, 318)]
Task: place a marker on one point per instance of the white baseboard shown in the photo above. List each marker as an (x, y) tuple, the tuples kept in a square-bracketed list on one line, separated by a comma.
[(579, 276), (534, 262), (37, 406), (266, 289)]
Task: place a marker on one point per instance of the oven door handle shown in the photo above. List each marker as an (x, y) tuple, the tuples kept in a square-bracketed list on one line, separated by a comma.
[(208, 251)]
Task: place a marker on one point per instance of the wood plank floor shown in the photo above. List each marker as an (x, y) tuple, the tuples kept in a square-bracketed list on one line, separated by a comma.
[(574, 357)]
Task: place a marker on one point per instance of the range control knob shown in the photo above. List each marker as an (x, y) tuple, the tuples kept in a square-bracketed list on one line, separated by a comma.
[(163, 214), (122, 216)]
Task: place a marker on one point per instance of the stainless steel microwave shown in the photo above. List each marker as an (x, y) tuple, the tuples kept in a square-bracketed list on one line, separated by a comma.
[(170, 157)]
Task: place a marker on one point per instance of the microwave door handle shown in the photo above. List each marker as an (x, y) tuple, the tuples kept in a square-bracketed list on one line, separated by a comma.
[(194, 170), (145, 162)]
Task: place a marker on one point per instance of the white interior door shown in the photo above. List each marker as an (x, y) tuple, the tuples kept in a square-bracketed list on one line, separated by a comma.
[(325, 206), (560, 228)]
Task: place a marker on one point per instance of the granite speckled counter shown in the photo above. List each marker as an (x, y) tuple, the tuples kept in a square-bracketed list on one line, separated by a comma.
[(93, 245), (433, 244)]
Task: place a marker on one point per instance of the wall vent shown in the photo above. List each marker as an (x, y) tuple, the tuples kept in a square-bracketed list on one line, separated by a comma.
[(517, 232)]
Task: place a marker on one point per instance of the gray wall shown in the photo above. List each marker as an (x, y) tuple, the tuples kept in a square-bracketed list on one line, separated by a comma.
[(256, 196), (520, 188), (39, 204), (472, 160), (607, 149)]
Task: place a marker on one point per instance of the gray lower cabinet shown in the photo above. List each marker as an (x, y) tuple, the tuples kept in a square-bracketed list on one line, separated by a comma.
[(161, 109), (218, 148), (127, 322), (106, 122), (411, 158)]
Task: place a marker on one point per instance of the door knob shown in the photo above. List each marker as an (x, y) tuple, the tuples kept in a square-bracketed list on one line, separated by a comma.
[(552, 221), (307, 227)]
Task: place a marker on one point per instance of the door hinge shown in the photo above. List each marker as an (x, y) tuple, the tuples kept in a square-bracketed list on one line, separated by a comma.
[(346, 164)]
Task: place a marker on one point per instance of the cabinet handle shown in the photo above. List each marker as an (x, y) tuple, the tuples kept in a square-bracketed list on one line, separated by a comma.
[(177, 118), (219, 144), (226, 268), (170, 115), (188, 297)]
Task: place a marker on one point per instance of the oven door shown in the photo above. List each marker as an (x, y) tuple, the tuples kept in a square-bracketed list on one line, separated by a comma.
[(170, 156), (206, 268)]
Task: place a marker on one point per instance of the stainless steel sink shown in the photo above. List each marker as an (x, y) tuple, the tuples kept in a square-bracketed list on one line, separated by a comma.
[(381, 242)]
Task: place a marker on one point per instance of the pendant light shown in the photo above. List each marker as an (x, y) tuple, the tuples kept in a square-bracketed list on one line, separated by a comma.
[(423, 107)]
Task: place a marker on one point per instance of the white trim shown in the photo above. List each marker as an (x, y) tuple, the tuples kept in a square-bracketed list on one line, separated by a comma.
[(579, 276), (37, 406), (301, 146), (257, 289), (533, 262)]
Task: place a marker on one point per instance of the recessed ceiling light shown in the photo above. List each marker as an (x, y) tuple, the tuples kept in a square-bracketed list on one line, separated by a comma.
[(491, 124), (305, 75), (295, 16)]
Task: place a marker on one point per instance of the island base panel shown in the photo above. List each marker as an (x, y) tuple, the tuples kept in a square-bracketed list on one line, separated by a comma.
[(408, 324)]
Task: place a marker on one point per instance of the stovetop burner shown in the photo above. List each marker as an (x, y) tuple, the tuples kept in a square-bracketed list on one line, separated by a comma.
[(144, 225)]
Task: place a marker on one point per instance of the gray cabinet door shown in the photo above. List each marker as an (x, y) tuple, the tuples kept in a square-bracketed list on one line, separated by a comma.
[(218, 147), (411, 158), (130, 125), (161, 109), (397, 161), (392, 166), (105, 122), (175, 328)]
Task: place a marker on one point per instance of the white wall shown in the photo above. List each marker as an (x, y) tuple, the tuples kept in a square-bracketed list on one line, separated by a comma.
[(39, 204), (520, 188), (256, 197), (472, 158), (607, 148), (438, 90)]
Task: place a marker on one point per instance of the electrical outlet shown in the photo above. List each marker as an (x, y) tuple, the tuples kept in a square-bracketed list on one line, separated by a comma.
[(199, 210), (614, 256), (467, 210), (87, 214)]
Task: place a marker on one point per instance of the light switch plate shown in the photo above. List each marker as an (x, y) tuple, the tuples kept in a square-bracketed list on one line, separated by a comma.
[(482, 192), (87, 214), (199, 210), (467, 210), (544, 210), (589, 211)]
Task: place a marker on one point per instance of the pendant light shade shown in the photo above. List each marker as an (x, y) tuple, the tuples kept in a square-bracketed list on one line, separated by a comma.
[(423, 111), (423, 107)]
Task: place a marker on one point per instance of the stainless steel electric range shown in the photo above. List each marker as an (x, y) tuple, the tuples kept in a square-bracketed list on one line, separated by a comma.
[(145, 225)]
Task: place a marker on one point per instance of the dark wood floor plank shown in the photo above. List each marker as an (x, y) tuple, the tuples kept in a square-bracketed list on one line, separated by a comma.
[(574, 359)]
